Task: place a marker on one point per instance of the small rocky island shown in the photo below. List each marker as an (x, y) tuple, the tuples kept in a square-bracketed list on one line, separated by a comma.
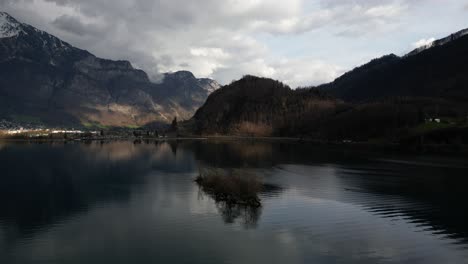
[(236, 187)]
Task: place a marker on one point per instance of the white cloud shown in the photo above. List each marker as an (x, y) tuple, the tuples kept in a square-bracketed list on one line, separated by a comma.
[(211, 38), (210, 52), (423, 42), (385, 11), (306, 72)]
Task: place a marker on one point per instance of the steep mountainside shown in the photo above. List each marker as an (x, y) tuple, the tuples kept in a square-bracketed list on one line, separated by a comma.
[(437, 70), (46, 80)]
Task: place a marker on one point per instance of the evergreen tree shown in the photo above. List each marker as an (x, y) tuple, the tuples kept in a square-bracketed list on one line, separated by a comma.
[(174, 125)]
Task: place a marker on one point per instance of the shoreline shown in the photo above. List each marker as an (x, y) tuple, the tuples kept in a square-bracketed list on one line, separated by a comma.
[(367, 146)]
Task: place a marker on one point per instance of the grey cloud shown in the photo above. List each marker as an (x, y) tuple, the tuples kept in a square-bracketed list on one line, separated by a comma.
[(364, 3), (161, 35), (74, 25), (60, 2)]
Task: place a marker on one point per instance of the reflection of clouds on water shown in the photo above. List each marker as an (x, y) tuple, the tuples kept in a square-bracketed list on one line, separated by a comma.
[(169, 231), (200, 203), (427, 195), (176, 190), (120, 202), (349, 233), (61, 180), (117, 151), (296, 229), (342, 202), (286, 236), (315, 180)]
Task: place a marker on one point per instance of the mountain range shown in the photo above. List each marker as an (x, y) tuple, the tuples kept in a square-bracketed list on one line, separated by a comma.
[(46, 80), (392, 98), (422, 94)]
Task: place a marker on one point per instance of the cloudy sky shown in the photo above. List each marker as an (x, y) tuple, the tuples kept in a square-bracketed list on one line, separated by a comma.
[(296, 41)]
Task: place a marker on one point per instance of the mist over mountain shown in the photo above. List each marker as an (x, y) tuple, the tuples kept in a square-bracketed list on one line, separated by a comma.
[(46, 80)]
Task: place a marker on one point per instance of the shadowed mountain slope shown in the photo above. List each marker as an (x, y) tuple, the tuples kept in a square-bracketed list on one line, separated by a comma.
[(46, 80)]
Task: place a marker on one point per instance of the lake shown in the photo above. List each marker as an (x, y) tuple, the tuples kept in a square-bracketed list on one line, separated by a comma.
[(136, 202)]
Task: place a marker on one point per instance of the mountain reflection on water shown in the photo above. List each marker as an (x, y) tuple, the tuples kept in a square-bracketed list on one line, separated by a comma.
[(129, 201)]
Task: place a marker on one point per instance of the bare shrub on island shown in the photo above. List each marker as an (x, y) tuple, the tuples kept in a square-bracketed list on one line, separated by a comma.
[(232, 187)]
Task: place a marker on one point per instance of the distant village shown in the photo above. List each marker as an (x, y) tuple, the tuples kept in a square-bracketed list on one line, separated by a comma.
[(11, 126), (14, 130)]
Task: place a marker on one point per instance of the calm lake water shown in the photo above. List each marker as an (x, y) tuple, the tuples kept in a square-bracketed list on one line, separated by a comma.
[(136, 202)]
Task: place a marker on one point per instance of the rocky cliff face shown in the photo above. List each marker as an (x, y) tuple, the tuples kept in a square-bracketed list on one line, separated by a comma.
[(49, 81)]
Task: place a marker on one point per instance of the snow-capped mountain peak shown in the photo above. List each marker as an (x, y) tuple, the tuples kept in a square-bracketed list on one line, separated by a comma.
[(9, 27), (440, 42)]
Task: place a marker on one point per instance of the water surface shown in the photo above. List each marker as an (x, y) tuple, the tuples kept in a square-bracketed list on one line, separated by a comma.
[(136, 202)]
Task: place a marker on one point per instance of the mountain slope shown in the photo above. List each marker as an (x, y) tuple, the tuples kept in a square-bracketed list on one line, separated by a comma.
[(261, 107), (44, 79), (440, 70), (440, 42)]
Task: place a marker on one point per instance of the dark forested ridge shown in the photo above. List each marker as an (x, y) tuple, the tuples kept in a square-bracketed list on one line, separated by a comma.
[(256, 106), (262, 107)]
